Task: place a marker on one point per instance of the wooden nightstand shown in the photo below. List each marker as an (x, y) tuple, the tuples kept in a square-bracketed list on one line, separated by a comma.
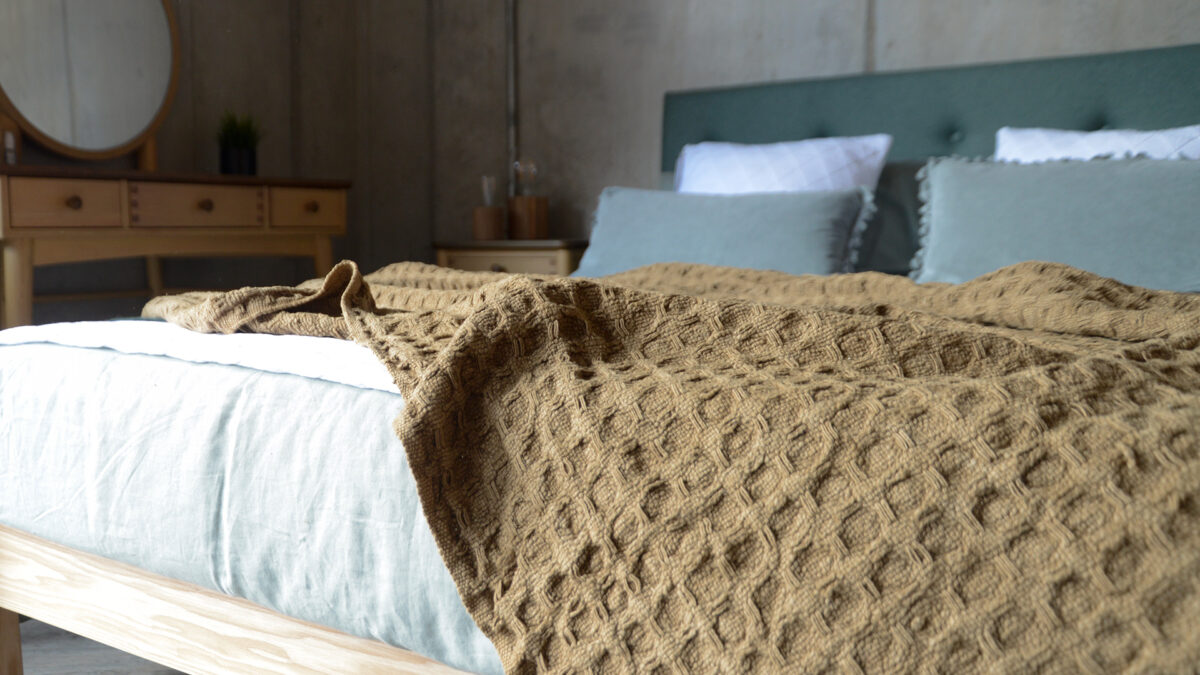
[(524, 256)]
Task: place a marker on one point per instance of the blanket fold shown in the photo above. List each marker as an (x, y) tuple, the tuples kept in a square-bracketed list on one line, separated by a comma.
[(686, 468)]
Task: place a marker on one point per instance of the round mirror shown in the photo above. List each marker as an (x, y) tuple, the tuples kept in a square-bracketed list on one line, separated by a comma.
[(87, 78)]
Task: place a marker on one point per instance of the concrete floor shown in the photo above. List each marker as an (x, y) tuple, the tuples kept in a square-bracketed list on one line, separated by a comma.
[(46, 650)]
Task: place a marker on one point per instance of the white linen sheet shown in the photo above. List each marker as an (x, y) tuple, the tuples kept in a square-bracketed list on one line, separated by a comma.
[(326, 359), (263, 467)]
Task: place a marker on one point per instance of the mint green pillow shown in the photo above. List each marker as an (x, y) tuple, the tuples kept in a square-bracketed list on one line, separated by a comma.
[(1135, 220), (793, 232)]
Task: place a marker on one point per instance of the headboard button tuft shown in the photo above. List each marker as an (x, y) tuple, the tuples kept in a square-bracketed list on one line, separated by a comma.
[(955, 136)]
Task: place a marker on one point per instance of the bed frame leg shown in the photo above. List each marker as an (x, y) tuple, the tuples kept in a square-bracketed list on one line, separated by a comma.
[(10, 643)]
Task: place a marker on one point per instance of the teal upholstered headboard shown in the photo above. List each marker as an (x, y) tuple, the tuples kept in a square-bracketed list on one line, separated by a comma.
[(949, 111)]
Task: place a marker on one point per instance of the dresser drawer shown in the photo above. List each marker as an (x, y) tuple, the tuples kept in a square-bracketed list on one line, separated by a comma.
[(519, 262), (305, 207), (55, 202), (195, 205)]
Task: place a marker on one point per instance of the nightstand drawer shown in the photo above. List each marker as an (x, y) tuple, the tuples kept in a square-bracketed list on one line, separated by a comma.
[(55, 202), (518, 262), (306, 207), (518, 256), (195, 205)]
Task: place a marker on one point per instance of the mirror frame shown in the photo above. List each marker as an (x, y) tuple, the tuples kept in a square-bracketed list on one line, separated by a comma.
[(144, 136)]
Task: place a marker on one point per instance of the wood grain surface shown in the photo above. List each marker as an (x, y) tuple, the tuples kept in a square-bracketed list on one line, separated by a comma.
[(175, 623)]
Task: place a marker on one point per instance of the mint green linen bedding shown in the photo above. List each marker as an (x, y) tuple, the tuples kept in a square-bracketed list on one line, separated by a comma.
[(211, 474)]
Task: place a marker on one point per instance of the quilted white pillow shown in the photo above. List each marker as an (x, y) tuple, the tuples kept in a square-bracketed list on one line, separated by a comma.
[(840, 163), (1028, 146)]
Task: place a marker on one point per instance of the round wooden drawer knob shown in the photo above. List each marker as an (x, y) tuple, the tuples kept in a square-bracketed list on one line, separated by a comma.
[(312, 207), (74, 202), (497, 267), (206, 205)]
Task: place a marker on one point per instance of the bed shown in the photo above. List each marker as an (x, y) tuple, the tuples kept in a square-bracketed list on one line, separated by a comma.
[(202, 619)]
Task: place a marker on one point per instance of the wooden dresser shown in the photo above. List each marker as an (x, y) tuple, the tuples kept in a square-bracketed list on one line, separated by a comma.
[(57, 215)]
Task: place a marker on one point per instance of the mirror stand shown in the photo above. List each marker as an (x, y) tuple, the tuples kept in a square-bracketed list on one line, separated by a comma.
[(11, 140), (147, 155)]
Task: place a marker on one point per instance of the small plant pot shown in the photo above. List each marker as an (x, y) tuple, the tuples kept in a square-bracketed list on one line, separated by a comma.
[(239, 161)]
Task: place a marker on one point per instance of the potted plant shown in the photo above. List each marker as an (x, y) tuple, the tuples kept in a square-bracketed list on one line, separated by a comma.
[(238, 137)]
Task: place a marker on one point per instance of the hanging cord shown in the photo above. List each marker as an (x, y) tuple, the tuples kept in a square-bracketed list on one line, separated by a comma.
[(510, 28)]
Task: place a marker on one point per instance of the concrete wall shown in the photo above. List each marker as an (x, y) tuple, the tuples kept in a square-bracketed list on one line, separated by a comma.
[(927, 33), (593, 72)]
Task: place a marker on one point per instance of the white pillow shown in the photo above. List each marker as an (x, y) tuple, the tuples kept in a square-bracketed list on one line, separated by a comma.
[(840, 163), (1028, 146)]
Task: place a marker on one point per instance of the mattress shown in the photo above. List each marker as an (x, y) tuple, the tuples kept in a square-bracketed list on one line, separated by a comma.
[(185, 455)]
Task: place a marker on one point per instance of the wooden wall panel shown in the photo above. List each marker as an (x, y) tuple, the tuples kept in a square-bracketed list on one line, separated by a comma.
[(392, 183), (469, 99), (241, 61)]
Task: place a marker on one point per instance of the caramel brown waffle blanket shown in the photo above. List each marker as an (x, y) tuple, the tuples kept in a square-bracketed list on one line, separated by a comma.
[(685, 468)]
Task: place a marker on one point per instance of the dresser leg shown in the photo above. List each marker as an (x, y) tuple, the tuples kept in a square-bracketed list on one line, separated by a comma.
[(323, 255), (10, 643), (18, 283)]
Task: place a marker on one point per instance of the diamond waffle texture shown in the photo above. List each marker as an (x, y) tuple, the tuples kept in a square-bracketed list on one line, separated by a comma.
[(714, 470)]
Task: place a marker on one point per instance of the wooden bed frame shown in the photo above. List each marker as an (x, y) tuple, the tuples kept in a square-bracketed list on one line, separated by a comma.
[(177, 624)]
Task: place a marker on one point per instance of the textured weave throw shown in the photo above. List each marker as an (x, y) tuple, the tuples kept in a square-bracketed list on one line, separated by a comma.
[(684, 468)]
